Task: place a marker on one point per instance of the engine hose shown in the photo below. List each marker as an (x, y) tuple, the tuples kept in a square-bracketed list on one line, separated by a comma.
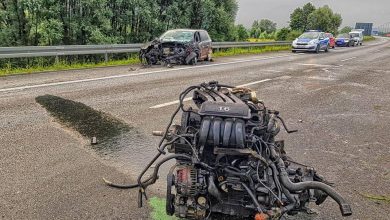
[(345, 208), (277, 183), (152, 178), (287, 208), (290, 197), (253, 197)]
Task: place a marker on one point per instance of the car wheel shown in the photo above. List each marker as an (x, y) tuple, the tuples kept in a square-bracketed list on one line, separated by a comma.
[(361, 44), (318, 48), (194, 61), (327, 48), (294, 51)]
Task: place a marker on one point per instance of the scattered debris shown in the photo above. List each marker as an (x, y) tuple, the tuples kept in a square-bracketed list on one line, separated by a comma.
[(94, 141)]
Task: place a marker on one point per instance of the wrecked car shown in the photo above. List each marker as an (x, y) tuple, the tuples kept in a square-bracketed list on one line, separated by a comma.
[(179, 46)]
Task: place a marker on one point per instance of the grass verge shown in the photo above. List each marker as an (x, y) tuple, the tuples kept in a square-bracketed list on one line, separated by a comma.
[(132, 60), (368, 38), (253, 50), (65, 66), (158, 212)]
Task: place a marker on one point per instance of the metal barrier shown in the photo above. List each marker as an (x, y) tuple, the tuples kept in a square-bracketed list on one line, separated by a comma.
[(44, 51)]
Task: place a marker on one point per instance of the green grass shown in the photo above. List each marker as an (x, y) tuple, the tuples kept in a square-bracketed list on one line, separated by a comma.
[(65, 66), (377, 198), (158, 212), (260, 40), (368, 38), (9, 70), (253, 50)]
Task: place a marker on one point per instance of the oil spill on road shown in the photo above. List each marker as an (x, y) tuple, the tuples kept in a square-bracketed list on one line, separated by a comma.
[(119, 144), (86, 120)]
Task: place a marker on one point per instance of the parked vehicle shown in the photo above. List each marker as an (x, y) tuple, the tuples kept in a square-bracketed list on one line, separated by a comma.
[(179, 46), (357, 36), (345, 40), (332, 40), (312, 41)]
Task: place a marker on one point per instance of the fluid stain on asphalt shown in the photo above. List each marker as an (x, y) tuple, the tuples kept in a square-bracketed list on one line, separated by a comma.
[(88, 122)]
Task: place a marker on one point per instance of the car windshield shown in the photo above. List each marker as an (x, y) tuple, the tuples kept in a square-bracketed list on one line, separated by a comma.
[(343, 36), (309, 35), (354, 34), (175, 35)]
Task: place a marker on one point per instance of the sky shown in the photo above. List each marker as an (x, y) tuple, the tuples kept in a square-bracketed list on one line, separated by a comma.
[(352, 11)]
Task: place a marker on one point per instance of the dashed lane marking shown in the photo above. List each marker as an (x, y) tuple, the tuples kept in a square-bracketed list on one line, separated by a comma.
[(188, 99)]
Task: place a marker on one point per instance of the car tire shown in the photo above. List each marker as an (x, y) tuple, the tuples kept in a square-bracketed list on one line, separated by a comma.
[(327, 48), (361, 44), (317, 49), (194, 61), (294, 51)]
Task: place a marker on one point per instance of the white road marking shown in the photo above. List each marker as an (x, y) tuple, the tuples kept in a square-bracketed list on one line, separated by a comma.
[(313, 64), (137, 74), (189, 98), (273, 71), (351, 58)]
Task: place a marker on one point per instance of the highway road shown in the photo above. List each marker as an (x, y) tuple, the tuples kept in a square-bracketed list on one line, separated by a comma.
[(339, 101)]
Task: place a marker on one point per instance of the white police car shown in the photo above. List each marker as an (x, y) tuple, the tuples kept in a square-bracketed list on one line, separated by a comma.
[(313, 41)]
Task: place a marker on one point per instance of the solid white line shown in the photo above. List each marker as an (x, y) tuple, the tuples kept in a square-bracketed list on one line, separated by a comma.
[(136, 74), (351, 58), (189, 98)]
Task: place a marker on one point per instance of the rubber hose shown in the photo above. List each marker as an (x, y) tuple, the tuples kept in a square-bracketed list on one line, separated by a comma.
[(345, 208)]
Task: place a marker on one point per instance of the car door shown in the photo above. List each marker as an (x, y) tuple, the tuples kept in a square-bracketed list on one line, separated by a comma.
[(323, 41), (206, 44), (199, 44)]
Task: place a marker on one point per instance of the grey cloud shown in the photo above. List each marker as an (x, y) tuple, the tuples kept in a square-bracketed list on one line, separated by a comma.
[(352, 11)]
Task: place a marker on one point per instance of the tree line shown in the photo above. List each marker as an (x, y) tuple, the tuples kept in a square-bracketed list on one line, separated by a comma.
[(71, 22), (301, 19)]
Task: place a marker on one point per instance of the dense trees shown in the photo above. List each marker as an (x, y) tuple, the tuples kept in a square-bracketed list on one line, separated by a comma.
[(263, 26), (53, 22), (308, 17), (324, 19), (345, 29), (299, 19)]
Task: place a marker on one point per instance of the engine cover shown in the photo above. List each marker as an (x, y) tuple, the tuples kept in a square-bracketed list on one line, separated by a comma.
[(223, 109)]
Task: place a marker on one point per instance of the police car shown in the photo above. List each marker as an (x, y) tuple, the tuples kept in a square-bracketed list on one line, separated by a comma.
[(312, 40)]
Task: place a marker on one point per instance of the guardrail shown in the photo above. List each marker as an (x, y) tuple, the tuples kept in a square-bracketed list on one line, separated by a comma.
[(45, 51)]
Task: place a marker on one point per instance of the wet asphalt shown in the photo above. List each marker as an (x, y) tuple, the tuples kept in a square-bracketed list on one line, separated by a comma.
[(339, 101)]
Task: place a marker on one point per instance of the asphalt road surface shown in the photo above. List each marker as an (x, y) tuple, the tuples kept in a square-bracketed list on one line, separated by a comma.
[(339, 101)]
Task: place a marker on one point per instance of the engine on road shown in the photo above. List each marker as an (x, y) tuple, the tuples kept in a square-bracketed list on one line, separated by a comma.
[(229, 162)]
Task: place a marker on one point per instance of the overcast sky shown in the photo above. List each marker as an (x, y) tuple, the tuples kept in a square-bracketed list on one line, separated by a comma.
[(352, 11)]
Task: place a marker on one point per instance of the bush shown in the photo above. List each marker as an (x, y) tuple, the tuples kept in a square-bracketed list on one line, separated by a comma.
[(293, 35), (282, 34)]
